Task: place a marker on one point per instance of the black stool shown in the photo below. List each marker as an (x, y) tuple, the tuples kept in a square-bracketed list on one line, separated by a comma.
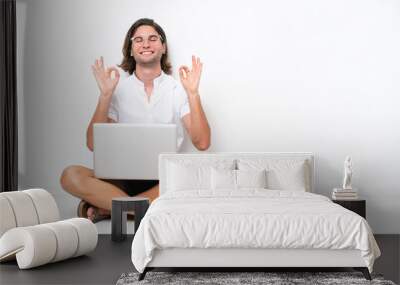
[(120, 207)]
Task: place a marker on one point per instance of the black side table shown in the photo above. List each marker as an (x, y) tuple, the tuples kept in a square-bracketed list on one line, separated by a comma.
[(120, 207), (357, 206)]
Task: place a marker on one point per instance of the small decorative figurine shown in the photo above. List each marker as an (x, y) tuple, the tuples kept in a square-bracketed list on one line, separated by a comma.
[(348, 172)]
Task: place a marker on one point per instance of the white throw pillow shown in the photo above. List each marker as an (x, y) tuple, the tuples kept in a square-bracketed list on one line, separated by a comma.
[(251, 178), (181, 177), (224, 179), (282, 174), (189, 174)]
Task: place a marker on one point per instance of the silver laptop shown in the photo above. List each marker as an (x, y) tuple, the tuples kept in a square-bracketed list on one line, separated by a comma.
[(130, 151)]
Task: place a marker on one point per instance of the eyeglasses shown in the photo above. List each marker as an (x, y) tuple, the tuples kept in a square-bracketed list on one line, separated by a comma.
[(151, 39)]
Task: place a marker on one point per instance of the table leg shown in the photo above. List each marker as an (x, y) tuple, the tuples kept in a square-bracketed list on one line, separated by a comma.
[(140, 210), (118, 222)]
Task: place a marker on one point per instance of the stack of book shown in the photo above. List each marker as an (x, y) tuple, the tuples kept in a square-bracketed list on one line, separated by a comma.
[(344, 194)]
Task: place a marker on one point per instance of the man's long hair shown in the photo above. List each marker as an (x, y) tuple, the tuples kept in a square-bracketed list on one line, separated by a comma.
[(128, 63)]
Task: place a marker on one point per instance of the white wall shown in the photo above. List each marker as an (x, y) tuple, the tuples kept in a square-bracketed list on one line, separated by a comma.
[(319, 76)]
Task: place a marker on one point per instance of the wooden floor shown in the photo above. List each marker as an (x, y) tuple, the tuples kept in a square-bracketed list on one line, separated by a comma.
[(110, 260)]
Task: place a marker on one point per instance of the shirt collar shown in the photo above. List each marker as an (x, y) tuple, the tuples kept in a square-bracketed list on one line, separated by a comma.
[(157, 81)]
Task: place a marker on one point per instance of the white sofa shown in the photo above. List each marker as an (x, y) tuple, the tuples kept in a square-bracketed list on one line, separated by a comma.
[(31, 233)]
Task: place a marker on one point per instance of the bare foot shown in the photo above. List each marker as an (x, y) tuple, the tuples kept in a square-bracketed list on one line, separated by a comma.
[(92, 212)]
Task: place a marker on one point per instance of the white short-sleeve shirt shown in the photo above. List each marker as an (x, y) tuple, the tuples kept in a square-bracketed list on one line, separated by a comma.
[(168, 103)]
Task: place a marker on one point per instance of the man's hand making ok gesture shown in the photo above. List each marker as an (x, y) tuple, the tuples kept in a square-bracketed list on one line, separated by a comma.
[(191, 78), (104, 78)]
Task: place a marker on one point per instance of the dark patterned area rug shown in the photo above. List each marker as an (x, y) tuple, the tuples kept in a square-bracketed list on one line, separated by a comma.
[(269, 278)]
